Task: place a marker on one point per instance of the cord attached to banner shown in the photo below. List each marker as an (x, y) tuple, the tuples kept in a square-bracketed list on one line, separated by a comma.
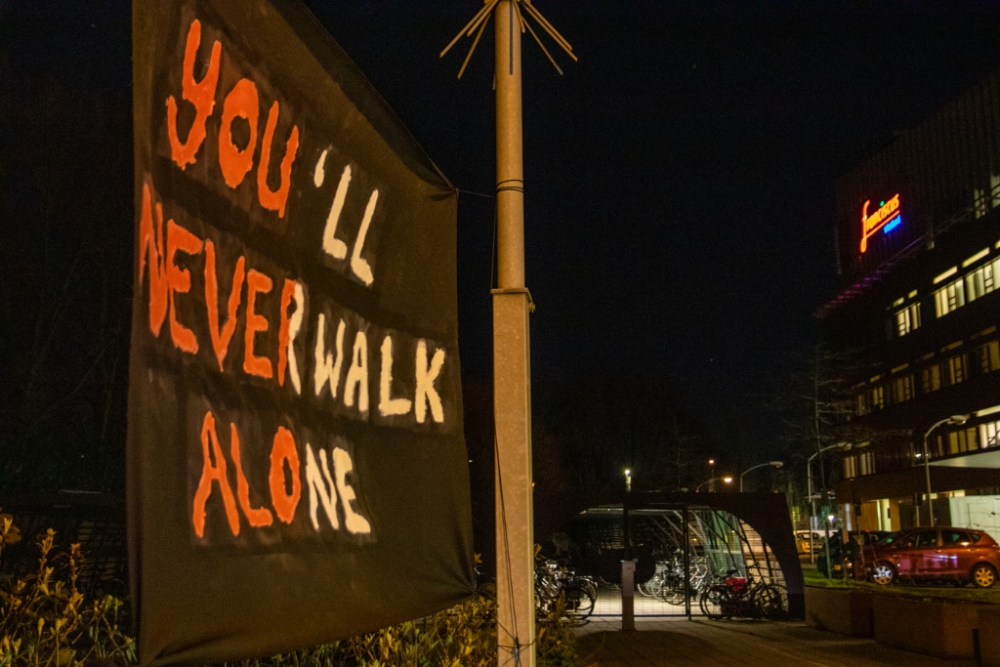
[(516, 647)]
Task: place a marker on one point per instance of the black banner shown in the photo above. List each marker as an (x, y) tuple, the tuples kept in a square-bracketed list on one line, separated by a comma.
[(297, 470)]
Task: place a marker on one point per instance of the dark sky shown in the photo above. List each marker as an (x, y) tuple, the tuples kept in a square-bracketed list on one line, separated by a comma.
[(678, 178)]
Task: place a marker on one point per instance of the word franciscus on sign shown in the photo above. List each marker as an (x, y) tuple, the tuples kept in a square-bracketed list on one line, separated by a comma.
[(295, 441), (886, 217)]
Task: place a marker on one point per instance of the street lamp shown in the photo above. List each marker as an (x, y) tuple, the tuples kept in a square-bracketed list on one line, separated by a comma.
[(726, 480), (812, 500), (954, 419), (628, 480), (776, 464)]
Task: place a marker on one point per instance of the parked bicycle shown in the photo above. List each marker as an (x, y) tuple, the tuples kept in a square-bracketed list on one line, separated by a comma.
[(671, 584), (743, 597), (554, 582)]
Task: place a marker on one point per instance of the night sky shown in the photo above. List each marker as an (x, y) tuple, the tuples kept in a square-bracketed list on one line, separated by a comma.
[(678, 177)]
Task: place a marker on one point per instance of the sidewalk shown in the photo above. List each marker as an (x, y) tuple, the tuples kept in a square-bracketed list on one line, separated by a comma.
[(678, 641)]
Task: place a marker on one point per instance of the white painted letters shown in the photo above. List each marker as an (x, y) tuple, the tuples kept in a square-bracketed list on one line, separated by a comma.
[(357, 376), (342, 465), (326, 369), (386, 404), (358, 265), (331, 244), (425, 392), (321, 490), (294, 326)]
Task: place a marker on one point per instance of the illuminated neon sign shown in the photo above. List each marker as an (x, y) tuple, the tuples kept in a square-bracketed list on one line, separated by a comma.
[(887, 216)]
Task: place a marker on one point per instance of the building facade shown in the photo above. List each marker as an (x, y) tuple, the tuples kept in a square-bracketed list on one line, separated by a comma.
[(918, 249)]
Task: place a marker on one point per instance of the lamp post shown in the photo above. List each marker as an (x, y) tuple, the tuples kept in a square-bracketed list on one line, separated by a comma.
[(628, 480), (776, 464), (954, 419), (812, 501), (726, 480)]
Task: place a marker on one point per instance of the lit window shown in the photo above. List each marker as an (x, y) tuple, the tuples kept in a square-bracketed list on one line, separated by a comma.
[(866, 463), (979, 202), (877, 398), (957, 369), (850, 467), (982, 281), (989, 434), (962, 441), (989, 356), (950, 297), (908, 319), (930, 379), (902, 389)]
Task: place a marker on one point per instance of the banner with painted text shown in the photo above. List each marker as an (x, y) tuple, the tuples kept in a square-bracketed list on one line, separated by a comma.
[(297, 470)]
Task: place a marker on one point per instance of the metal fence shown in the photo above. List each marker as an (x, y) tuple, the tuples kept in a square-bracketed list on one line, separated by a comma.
[(93, 521)]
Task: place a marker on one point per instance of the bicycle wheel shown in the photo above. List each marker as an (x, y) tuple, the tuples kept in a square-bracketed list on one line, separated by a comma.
[(579, 602), (771, 602), (714, 600), (672, 591), (652, 588)]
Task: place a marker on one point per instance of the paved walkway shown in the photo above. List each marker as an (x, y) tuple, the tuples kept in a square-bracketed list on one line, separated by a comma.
[(678, 641)]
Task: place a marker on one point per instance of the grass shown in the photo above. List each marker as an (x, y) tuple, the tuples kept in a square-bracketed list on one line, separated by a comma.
[(924, 591)]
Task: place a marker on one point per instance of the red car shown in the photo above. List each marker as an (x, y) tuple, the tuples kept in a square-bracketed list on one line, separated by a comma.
[(942, 553)]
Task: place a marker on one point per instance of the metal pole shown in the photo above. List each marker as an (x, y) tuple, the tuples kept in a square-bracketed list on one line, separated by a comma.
[(687, 562), (826, 546), (628, 573), (511, 362), (927, 474), (812, 509)]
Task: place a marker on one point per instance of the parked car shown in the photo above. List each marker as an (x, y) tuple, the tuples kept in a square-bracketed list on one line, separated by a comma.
[(802, 540), (943, 554), (845, 555)]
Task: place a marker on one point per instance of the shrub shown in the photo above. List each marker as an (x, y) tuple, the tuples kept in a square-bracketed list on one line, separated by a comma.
[(45, 621)]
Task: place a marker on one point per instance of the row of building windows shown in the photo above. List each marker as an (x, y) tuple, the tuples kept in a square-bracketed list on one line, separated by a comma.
[(887, 459), (962, 290), (963, 440), (955, 369), (966, 289)]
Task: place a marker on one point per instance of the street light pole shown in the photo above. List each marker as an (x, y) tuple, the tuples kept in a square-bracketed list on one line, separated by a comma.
[(954, 419), (511, 360), (511, 350), (812, 501), (628, 481), (776, 464)]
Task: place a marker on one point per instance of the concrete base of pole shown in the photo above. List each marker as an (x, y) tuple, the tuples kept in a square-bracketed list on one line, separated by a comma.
[(515, 518), (628, 595)]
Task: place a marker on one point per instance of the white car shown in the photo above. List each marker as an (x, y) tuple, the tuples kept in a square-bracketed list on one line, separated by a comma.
[(802, 540)]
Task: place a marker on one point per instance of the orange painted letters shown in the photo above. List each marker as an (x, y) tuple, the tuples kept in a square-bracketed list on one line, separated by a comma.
[(257, 517), (275, 200), (287, 294), (221, 337), (199, 93), (213, 474), (259, 366), (179, 280), (284, 450), (241, 101), (151, 249)]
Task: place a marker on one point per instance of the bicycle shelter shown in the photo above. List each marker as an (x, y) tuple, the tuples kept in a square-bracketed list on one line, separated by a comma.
[(747, 534)]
